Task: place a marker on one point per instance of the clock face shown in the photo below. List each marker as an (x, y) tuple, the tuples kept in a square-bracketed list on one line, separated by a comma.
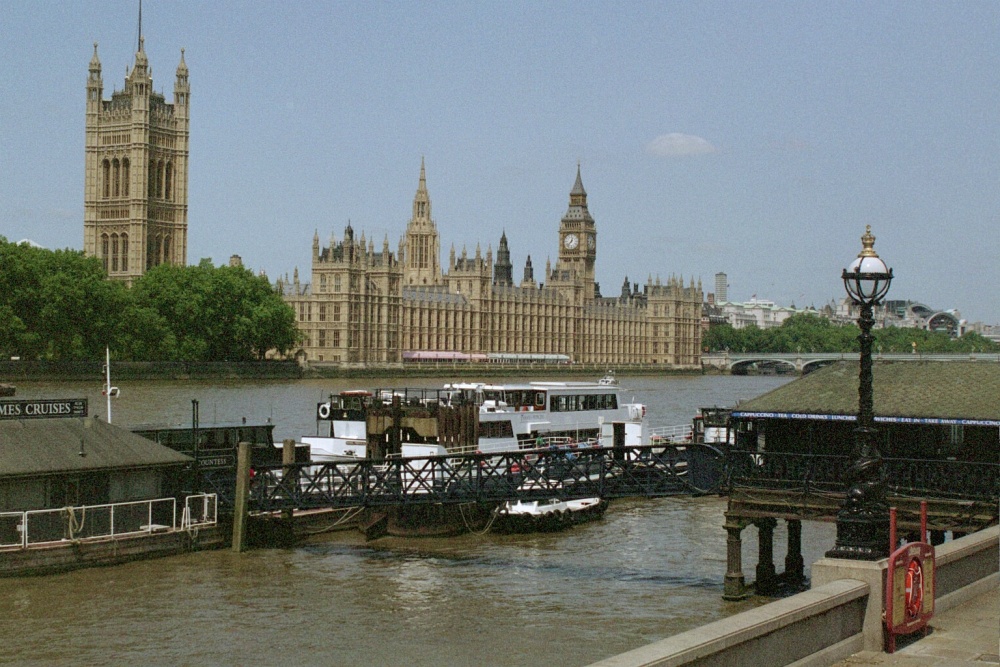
[(591, 242), (571, 241)]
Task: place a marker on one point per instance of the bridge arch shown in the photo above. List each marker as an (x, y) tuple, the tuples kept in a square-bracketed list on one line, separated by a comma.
[(763, 364), (816, 364)]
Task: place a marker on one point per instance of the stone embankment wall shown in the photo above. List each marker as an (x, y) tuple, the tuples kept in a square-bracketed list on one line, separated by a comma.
[(841, 615)]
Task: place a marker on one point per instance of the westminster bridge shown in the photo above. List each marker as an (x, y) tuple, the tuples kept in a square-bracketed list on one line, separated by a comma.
[(739, 363)]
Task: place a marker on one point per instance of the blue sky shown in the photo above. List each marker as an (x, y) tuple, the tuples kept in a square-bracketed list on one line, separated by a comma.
[(754, 138)]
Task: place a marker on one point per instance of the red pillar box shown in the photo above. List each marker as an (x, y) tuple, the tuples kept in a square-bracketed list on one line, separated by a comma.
[(909, 595)]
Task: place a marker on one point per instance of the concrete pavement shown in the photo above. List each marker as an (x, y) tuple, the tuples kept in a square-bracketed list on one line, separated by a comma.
[(967, 635)]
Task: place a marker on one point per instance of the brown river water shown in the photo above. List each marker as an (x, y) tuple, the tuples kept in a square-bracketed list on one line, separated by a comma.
[(650, 569)]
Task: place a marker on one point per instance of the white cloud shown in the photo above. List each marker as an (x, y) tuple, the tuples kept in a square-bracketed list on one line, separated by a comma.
[(677, 144)]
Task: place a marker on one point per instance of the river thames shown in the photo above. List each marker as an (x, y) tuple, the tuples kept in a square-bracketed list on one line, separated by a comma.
[(650, 569)]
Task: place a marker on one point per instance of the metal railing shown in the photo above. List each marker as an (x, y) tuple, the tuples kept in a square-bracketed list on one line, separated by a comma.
[(678, 434), (200, 510), (932, 478), (605, 472), (94, 522)]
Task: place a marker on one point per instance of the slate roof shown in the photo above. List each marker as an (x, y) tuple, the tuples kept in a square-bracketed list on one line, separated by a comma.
[(964, 390), (48, 446)]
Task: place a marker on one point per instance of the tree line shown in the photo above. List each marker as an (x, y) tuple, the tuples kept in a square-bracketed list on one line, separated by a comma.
[(59, 305), (807, 332)]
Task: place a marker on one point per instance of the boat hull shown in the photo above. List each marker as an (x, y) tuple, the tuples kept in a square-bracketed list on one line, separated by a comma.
[(546, 522)]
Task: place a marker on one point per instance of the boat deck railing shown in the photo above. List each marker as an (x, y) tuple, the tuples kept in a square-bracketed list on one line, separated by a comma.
[(678, 434), (35, 528)]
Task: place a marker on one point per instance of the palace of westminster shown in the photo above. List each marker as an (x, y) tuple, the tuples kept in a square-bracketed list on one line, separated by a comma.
[(366, 307)]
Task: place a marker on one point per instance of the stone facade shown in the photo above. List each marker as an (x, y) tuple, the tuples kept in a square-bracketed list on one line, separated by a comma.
[(136, 172), (363, 306)]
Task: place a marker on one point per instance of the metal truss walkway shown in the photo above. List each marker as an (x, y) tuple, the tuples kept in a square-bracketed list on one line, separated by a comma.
[(648, 470)]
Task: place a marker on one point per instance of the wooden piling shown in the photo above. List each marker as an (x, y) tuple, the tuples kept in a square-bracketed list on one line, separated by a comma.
[(242, 500), (288, 472)]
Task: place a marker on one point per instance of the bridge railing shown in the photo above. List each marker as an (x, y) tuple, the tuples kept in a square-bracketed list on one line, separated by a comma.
[(649, 470), (943, 479)]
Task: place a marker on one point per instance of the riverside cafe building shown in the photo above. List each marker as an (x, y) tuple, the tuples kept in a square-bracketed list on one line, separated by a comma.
[(53, 456), (938, 430)]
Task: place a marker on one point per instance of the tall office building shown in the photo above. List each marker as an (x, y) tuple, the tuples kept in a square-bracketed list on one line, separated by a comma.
[(721, 288), (136, 171)]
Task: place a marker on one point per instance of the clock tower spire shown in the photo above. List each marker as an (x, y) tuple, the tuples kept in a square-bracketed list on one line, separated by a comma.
[(578, 238)]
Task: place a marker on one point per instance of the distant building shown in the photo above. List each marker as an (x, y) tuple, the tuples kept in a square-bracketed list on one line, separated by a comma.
[(721, 288), (757, 312), (136, 171), (363, 306), (908, 315)]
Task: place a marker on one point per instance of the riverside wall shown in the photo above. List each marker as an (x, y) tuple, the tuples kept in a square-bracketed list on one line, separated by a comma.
[(839, 616), (89, 371)]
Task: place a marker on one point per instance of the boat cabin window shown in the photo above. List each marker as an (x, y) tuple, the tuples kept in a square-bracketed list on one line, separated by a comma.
[(496, 429), (577, 402)]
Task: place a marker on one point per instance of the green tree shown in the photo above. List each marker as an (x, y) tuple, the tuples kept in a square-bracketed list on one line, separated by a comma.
[(56, 304), (212, 314)]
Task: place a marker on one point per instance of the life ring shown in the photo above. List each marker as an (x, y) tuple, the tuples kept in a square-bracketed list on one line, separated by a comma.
[(324, 411), (914, 591)]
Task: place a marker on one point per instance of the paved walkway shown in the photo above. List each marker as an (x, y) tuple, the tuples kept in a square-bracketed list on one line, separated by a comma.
[(964, 636)]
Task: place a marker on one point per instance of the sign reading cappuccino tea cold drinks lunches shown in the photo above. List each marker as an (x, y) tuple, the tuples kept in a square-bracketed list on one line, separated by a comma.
[(43, 408)]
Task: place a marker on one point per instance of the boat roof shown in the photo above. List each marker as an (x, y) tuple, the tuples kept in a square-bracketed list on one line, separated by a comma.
[(73, 445), (530, 385)]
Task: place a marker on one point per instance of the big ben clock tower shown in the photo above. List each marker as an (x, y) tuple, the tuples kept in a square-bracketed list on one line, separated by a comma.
[(578, 238)]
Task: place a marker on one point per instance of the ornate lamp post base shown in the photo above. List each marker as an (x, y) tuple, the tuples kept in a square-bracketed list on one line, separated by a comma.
[(861, 537)]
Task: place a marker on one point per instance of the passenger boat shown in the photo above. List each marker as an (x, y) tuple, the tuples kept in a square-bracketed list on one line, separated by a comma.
[(463, 418), (539, 516), (346, 436), (507, 417)]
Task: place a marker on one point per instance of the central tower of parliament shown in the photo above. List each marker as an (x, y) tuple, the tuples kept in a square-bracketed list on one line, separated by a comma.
[(364, 306)]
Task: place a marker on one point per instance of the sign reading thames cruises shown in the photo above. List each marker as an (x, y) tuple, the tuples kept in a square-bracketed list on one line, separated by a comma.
[(43, 408)]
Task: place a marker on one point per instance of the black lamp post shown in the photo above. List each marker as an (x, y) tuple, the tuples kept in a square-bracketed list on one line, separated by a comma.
[(863, 520)]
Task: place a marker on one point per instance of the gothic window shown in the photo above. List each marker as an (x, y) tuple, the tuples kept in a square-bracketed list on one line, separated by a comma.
[(152, 179), (116, 178), (336, 312), (125, 177), (124, 252), (336, 284), (104, 248), (114, 252), (166, 249), (168, 189), (322, 312), (159, 179), (107, 178)]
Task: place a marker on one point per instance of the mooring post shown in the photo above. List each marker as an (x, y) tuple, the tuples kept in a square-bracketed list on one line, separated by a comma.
[(618, 440), (795, 573), (766, 575), (241, 501), (289, 473), (735, 583)]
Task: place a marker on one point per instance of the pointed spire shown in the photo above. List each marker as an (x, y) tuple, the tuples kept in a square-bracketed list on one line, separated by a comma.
[(95, 62), (182, 68), (578, 186), (422, 200)]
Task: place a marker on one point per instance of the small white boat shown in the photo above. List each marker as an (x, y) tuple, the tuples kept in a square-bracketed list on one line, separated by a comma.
[(534, 516)]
